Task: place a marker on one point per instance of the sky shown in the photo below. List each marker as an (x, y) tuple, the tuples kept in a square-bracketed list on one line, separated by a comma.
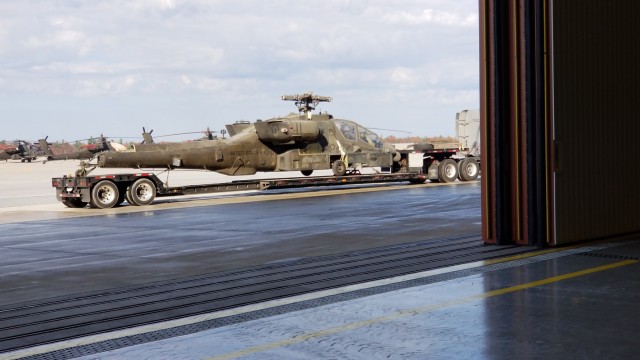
[(74, 69)]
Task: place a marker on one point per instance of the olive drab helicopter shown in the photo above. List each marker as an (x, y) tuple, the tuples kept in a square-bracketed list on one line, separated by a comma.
[(84, 154), (23, 151), (297, 142)]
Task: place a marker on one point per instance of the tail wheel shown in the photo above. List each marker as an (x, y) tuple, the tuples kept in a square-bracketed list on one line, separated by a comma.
[(104, 195), (447, 171), (142, 192), (339, 168), (468, 169)]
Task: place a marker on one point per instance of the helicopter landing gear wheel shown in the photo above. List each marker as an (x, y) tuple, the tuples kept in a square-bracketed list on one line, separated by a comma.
[(339, 168)]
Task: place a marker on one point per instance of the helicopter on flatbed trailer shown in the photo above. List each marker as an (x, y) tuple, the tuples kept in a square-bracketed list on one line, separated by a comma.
[(297, 142)]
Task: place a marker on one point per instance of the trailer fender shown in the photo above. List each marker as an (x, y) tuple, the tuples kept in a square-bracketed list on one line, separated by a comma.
[(432, 171)]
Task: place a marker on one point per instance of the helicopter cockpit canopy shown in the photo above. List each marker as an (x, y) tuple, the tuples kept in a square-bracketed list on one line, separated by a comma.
[(355, 132)]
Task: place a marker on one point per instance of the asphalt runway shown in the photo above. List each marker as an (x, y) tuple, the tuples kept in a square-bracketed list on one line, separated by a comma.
[(48, 250)]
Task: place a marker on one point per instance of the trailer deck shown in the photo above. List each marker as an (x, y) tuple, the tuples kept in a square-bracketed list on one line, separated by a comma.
[(104, 191)]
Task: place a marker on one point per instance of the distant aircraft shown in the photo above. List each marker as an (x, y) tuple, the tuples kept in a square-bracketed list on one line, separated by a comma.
[(297, 142), (23, 151), (75, 155), (146, 136)]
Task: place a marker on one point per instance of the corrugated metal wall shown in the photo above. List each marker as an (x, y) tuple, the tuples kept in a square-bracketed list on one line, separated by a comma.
[(596, 96)]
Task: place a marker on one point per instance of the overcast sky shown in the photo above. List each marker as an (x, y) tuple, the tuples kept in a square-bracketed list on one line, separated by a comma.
[(75, 69)]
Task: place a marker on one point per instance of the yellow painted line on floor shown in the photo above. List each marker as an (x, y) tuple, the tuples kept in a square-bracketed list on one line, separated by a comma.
[(528, 255), (417, 311)]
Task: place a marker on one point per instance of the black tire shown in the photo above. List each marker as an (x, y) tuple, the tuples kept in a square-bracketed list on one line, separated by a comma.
[(104, 195), (306, 172), (127, 196), (468, 169), (447, 171), (74, 203), (142, 192), (339, 168)]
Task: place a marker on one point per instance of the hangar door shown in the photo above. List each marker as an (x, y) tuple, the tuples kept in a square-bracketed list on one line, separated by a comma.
[(596, 122), (560, 122)]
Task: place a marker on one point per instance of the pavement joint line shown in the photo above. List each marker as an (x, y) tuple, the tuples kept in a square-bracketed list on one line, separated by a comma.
[(92, 339)]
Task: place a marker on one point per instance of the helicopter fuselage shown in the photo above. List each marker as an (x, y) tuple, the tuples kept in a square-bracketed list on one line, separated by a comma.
[(304, 142)]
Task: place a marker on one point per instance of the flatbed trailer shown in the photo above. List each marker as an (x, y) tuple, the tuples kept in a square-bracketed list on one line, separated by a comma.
[(442, 163), (138, 189)]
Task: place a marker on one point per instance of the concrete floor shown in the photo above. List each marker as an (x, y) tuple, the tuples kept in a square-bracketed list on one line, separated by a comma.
[(56, 257), (577, 303)]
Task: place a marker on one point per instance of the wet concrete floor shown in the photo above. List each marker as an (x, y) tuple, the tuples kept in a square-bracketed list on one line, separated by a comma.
[(566, 303), (61, 256)]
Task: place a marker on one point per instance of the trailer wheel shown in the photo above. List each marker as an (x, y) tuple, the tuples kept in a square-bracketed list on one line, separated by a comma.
[(127, 197), (447, 171), (74, 203), (468, 169), (142, 192), (104, 195), (339, 168), (306, 172)]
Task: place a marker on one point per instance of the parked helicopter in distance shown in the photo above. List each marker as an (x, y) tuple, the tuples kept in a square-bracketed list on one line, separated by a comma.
[(84, 154), (23, 151), (297, 142)]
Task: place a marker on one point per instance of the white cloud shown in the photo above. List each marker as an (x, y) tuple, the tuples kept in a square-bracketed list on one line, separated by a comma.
[(431, 16), (403, 76), (222, 53), (63, 68), (206, 84), (112, 86), (76, 41), (151, 4)]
